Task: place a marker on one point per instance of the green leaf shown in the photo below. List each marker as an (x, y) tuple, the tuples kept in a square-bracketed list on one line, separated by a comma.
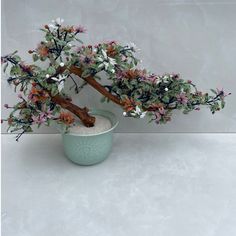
[(222, 104), (54, 90), (166, 99), (16, 58), (5, 67), (35, 57), (213, 91), (103, 99), (79, 40), (51, 70), (86, 73)]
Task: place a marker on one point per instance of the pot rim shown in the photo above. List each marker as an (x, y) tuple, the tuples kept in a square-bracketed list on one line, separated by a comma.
[(110, 115)]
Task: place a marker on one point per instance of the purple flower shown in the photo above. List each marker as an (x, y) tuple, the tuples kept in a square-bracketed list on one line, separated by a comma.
[(6, 105), (182, 98), (86, 59)]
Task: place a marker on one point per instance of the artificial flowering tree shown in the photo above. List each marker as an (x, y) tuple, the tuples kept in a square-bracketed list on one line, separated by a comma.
[(58, 59)]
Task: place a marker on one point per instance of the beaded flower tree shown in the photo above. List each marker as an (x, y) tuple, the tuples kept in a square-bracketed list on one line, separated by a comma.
[(43, 99)]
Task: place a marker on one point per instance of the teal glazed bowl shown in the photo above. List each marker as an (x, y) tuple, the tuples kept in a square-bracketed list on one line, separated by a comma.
[(90, 149)]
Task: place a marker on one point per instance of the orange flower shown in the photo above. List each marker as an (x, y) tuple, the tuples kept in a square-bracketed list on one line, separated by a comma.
[(133, 74), (67, 118), (155, 107), (43, 51), (129, 104), (10, 121), (111, 51), (37, 95)]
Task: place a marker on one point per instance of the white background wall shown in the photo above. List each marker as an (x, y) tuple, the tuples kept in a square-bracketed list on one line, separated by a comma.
[(194, 38)]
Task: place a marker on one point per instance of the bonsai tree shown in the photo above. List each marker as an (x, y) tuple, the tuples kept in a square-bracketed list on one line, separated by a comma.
[(43, 99)]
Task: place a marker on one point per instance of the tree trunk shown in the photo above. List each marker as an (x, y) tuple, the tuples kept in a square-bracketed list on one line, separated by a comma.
[(82, 113)]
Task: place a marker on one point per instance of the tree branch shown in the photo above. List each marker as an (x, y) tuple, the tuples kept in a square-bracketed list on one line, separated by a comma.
[(91, 81), (82, 113)]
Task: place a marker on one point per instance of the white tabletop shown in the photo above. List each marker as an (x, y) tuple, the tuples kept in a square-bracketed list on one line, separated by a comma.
[(151, 185)]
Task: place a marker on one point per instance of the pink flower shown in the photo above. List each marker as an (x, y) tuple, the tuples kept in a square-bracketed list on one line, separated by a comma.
[(123, 57), (48, 114), (175, 76), (20, 96), (3, 60), (26, 68), (162, 111), (158, 117), (151, 78), (80, 29), (79, 49), (220, 92), (182, 98), (119, 75), (111, 42), (159, 114), (39, 119)]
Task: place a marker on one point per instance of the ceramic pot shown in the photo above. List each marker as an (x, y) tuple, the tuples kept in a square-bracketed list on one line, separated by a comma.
[(90, 149)]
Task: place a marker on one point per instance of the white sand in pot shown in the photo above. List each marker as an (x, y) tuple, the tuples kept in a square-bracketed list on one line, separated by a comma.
[(101, 124)]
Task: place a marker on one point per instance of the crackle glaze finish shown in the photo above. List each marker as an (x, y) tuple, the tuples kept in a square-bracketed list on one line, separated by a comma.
[(90, 149)]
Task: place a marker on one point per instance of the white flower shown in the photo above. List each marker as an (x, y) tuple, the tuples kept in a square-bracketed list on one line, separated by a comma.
[(112, 61), (62, 64), (60, 81), (133, 47), (143, 114), (47, 76), (166, 89), (69, 44), (166, 78), (59, 21), (55, 24), (105, 64), (106, 61), (52, 27), (137, 110), (136, 113), (104, 54)]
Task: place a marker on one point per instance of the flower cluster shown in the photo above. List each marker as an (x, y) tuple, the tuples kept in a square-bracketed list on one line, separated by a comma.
[(42, 93)]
